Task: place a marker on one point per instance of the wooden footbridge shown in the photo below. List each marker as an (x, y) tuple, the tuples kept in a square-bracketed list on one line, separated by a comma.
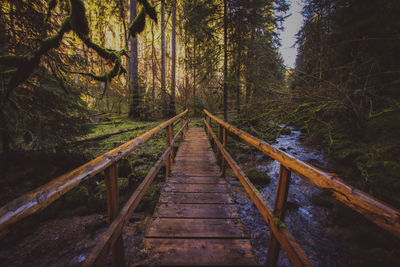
[(196, 222)]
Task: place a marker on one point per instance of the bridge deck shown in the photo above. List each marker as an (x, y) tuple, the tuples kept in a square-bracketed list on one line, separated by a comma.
[(196, 222)]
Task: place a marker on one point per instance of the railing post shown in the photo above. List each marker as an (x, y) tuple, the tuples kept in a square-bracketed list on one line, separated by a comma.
[(220, 140), (205, 119), (209, 136), (118, 257), (182, 124), (223, 162), (171, 136), (281, 194), (167, 144)]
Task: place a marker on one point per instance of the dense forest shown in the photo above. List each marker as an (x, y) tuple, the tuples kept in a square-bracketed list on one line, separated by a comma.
[(68, 67)]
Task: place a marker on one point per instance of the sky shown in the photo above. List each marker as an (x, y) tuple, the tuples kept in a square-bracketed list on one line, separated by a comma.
[(291, 26)]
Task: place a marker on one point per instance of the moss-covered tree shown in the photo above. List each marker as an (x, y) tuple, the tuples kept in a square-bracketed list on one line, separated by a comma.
[(24, 64)]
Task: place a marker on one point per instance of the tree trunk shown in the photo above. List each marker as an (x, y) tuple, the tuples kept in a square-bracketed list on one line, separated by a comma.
[(187, 69), (238, 80), (249, 68), (163, 89), (172, 110), (153, 63), (225, 60), (134, 109), (194, 76)]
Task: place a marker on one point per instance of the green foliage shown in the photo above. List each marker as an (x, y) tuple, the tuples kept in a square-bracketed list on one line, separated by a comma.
[(44, 115), (149, 200), (278, 222), (123, 184), (257, 176), (78, 196)]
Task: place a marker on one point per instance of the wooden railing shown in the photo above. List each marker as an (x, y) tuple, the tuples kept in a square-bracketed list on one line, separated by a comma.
[(43, 196), (373, 209)]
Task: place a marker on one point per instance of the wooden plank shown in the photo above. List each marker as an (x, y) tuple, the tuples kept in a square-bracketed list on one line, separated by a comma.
[(195, 188), (202, 252), (211, 171), (195, 158), (189, 198), (192, 165), (210, 211), (196, 228), (380, 213), (195, 173), (196, 180)]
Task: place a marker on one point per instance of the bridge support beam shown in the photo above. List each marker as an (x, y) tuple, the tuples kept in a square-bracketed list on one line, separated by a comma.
[(223, 162), (219, 156), (281, 194), (118, 254), (169, 133)]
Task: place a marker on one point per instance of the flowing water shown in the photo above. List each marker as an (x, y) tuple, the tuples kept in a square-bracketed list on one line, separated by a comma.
[(308, 223)]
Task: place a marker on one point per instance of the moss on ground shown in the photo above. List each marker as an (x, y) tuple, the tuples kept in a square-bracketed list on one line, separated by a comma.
[(257, 176)]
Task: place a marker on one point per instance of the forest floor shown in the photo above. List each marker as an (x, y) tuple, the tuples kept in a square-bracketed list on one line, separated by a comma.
[(65, 232)]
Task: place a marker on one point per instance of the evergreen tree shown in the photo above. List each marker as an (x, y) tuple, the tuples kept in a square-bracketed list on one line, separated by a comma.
[(345, 86)]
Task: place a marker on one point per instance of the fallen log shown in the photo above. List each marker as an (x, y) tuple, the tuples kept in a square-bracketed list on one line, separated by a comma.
[(103, 136), (120, 142)]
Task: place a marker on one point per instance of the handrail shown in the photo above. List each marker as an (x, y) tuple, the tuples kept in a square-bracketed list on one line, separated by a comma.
[(44, 195), (110, 237), (378, 212), (285, 238)]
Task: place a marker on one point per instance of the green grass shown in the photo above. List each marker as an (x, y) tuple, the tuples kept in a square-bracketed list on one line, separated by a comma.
[(96, 148)]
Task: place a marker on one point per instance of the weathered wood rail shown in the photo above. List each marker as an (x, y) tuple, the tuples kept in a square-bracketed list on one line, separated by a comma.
[(373, 209), (43, 196)]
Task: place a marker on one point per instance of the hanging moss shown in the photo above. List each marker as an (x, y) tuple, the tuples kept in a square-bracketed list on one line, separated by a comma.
[(150, 10), (137, 25), (79, 22), (26, 64), (101, 51), (54, 40), (106, 77)]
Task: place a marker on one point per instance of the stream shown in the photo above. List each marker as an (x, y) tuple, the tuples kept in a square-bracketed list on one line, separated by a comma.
[(308, 223)]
